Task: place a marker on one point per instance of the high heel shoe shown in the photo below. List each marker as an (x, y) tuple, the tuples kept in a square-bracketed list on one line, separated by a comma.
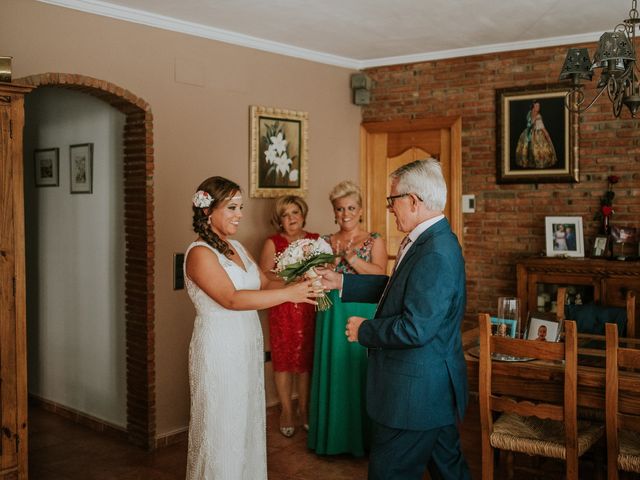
[(305, 427), (288, 431)]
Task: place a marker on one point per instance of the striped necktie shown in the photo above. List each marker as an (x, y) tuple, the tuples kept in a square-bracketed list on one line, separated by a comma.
[(401, 251)]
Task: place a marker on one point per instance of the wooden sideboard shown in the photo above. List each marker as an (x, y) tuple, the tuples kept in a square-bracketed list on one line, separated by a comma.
[(601, 281)]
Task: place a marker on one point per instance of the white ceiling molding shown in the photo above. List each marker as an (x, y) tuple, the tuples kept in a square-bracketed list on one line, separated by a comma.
[(481, 50), (167, 23), (106, 9)]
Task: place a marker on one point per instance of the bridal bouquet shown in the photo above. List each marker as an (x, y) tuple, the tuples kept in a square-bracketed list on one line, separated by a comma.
[(300, 258)]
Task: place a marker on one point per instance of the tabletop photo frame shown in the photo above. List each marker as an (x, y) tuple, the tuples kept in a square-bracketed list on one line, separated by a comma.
[(600, 244), (504, 327), (564, 237), (537, 137), (279, 154), (46, 166), (543, 327), (81, 168)]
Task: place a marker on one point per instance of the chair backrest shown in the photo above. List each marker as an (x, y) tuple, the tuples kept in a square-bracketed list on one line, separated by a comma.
[(592, 318), (617, 357), (558, 351)]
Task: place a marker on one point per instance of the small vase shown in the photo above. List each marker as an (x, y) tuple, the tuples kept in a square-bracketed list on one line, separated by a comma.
[(605, 228)]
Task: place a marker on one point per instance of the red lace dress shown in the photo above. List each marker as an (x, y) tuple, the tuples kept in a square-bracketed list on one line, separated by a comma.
[(291, 328)]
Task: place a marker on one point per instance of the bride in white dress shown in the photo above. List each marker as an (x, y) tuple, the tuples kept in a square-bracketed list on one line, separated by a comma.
[(227, 429)]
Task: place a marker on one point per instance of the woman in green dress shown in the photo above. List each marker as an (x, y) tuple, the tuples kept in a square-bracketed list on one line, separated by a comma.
[(338, 421)]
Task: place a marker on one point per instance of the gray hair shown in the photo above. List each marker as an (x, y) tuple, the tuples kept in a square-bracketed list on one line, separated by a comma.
[(424, 178)]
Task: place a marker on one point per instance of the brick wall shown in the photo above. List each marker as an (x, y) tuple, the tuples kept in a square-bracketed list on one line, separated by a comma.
[(509, 219)]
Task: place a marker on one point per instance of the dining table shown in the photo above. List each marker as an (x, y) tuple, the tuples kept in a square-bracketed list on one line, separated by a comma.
[(543, 380)]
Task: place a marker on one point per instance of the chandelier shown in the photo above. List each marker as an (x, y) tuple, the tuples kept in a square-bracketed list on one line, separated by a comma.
[(615, 57)]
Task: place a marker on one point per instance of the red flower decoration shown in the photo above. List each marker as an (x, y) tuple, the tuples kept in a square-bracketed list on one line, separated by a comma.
[(606, 201)]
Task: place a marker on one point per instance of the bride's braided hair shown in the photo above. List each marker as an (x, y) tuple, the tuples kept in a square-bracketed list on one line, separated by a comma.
[(220, 189)]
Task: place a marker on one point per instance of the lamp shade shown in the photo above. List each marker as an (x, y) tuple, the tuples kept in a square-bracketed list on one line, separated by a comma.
[(577, 65), (614, 50)]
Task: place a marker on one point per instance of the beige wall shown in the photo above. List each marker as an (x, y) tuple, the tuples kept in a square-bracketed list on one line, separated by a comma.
[(199, 130)]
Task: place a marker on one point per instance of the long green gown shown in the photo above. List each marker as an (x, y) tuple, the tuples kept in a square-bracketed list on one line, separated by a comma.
[(338, 421)]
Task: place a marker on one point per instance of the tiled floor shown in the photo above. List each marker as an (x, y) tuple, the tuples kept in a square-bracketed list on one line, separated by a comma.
[(62, 450)]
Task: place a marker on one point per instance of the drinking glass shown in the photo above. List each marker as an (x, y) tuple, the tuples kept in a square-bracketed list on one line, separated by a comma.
[(509, 313), (508, 320)]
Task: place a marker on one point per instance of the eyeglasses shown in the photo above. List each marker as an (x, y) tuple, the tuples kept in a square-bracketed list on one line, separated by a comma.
[(391, 199)]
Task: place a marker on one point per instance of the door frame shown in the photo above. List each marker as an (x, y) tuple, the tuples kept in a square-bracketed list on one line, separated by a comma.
[(140, 244), (454, 184)]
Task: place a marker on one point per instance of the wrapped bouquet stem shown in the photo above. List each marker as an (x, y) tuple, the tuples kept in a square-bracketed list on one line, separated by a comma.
[(300, 258)]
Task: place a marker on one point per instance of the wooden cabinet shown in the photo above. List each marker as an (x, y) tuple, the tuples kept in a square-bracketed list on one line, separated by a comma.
[(13, 361), (602, 281)]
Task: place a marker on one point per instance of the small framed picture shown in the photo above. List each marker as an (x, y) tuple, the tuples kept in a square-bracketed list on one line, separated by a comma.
[(625, 241), (46, 166), (599, 246), (624, 234), (564, 236), (504, 327), (543, 327), (81, 168)]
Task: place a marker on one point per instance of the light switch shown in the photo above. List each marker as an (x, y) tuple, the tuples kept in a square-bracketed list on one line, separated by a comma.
[(468, 203), (178, 273)]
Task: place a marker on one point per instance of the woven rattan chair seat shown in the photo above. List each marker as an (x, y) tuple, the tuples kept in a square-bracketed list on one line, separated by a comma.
[(629, 456), (534, 436)]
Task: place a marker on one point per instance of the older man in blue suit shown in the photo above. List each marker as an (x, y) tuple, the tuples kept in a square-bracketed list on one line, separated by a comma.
[(417, 377)]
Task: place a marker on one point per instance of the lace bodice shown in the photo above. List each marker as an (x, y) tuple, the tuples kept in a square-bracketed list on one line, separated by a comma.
[(247, 279)]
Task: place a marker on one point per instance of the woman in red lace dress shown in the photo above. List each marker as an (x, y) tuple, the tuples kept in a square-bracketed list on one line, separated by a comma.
[(291, 325)]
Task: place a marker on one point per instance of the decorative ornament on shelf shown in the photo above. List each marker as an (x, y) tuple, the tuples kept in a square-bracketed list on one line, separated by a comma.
[(606, 205)]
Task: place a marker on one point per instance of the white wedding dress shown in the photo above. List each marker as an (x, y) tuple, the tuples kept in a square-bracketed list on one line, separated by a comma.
[(227, 430)]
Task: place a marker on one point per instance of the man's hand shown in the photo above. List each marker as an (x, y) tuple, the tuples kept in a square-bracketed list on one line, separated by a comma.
[(353, 325), (330, 280)]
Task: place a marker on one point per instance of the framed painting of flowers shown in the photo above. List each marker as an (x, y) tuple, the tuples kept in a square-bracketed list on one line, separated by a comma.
[(279, 152)]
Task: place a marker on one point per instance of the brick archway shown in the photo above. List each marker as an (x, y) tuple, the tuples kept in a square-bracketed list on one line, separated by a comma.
[(139, 249)]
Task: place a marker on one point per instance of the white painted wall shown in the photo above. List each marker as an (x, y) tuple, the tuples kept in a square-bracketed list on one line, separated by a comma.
[(75, 259)]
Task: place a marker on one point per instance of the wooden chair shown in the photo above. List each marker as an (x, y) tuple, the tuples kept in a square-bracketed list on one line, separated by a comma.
[(549, 430), (600, 314), (623, 428)]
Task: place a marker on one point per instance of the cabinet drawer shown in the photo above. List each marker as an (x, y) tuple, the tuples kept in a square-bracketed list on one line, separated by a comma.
[(616, 289)]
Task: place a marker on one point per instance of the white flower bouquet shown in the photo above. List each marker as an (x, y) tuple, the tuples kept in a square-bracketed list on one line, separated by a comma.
[(300, 258)]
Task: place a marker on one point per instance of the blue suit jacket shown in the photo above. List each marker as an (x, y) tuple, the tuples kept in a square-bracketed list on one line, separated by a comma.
[(417, 375)]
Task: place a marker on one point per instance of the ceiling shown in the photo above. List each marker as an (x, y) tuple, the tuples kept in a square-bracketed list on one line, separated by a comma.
[(366, 33)]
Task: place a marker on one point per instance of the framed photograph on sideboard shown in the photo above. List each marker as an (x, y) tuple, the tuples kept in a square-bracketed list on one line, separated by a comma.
[(564, 237)]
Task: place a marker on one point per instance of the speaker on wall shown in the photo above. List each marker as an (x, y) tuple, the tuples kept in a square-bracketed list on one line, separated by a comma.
[(361, 96), (361, 88)]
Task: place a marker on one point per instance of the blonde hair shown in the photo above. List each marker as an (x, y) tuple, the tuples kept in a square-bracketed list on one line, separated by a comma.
[(281, 205), (345, 189)]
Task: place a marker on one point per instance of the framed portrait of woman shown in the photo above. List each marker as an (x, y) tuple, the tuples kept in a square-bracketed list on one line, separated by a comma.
[(537, 137)]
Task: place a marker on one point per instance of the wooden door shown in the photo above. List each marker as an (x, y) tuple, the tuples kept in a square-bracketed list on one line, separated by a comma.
[(13, 370), (385, 146)]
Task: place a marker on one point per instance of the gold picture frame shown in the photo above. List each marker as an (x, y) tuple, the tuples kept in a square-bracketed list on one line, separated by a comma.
[(536, 136), (279, 154)]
